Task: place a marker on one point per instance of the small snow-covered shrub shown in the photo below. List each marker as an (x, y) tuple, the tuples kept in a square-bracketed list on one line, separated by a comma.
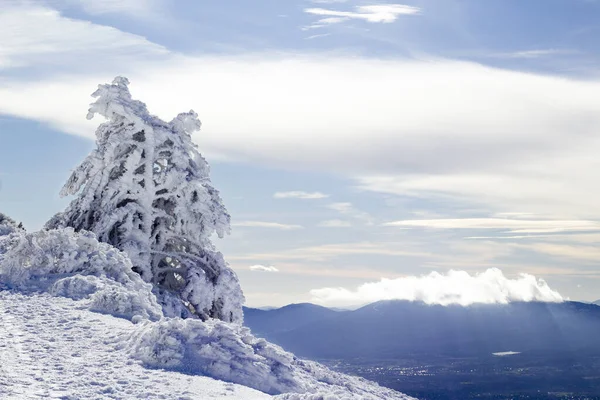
[(231, 353), (75, 265)]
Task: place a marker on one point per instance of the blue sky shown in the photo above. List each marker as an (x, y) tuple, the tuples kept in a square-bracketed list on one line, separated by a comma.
[(410, 137)]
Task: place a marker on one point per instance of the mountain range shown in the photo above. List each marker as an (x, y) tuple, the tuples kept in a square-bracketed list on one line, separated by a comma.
[(391, 329)]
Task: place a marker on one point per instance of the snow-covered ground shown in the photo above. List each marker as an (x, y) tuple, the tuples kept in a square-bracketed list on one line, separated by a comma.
[(77, 323), (53, 348)]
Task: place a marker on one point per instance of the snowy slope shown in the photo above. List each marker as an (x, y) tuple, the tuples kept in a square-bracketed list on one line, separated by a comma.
[(51, 347), (77, 322)]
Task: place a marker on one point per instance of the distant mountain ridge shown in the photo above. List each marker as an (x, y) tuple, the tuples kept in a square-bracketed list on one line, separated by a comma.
[(267, 322), (402, 328)]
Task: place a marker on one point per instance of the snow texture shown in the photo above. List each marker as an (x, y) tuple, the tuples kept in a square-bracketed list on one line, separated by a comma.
[(75, 265), (95, 276), (146, 190), (231, 353), (50, 348)]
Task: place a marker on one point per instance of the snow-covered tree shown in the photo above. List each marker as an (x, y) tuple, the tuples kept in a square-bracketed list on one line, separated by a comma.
[(145, 189)]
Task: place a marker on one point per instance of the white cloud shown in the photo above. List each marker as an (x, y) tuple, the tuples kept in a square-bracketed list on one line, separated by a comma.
[(455, 287), (263, 268), (300, 195), (32, 35), (513, 225), (269, 225), (466, 133), (383, 13), (335, 223)]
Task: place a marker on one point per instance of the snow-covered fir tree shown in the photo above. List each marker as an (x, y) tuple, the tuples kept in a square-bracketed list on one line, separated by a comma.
[(145, 189)]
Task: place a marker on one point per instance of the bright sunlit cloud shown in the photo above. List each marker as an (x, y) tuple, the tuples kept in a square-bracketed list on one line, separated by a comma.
[(455, 287), (385, 13)]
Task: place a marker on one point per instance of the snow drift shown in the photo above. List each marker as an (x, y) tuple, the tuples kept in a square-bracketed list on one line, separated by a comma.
[(231, 353), (52, 348), (76, 265), (455, 287)]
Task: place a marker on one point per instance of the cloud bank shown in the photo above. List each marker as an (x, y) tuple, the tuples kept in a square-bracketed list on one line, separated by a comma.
[(431, 129), (455, 287)]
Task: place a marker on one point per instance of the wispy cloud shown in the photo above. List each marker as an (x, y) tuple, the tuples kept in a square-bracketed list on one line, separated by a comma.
[(512, 225), (300, 195), (534, 53), (64, 40), (317, 36), (455, 287), (335, 223), (263, 268), (348, 209), (567, 251), (383, 13), (268, 225), (329, 251), (453, 142), (132, 7)]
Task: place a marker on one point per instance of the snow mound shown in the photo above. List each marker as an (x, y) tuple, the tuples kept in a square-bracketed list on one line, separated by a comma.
[(51, 348), (75, 265), (231, 353)]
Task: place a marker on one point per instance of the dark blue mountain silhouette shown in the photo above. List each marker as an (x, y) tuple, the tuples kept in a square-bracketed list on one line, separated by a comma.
[(268, 322), (391, 329)]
